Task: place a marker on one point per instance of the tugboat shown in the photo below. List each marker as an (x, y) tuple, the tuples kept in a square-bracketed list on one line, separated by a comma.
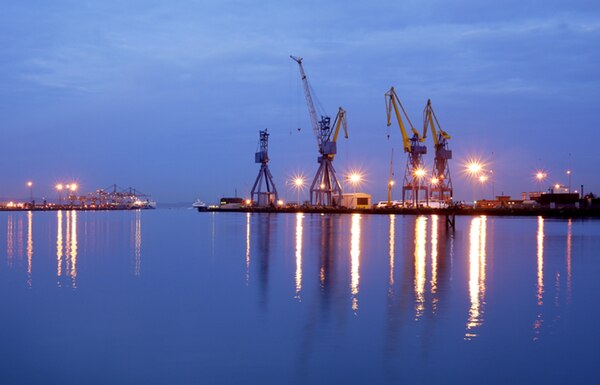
[(199, 205)]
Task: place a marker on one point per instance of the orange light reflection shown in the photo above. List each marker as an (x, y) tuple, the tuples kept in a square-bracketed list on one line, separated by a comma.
[(299, 229), (355, 259), (392, 246), (29, 246), (477, 276), (420, 256)]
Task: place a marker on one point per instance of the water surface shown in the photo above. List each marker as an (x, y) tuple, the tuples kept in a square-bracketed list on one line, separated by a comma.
[(180, 297)]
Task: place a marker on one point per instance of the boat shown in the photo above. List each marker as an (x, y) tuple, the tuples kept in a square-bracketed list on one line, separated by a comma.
[(142, 204), (199, 205)]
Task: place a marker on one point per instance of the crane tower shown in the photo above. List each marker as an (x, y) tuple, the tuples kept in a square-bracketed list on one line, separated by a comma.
[(268, 197), (441, 183), (414, 175), (325, 189)]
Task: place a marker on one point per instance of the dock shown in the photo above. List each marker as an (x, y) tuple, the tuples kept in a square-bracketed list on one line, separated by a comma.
[(593, 212)]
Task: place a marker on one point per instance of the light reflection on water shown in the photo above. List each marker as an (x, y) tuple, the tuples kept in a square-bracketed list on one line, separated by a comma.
[(392, 251), (420, 259), (66, 249), (477, 272), (29, 247), (310, 294), (299, 217), (537, 325), (138, 243), (569, 248), (355, 255), (9, 241)]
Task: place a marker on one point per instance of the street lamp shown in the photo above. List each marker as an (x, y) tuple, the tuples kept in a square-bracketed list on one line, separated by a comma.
[(569, 174), (540, 176), (355, 178), (419, 173), (474, 168), (299, 185)]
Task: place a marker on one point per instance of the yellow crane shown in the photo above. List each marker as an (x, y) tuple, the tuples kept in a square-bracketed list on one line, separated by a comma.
[(415, 171), (339, 122), (441, 182)]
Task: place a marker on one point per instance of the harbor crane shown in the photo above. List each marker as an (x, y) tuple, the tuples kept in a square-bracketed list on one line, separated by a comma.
[(415, 171), (268, 197), (325, 189), (441, 183)]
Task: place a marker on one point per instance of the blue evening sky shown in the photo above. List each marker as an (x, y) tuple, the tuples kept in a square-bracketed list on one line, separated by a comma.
[(169, 96)]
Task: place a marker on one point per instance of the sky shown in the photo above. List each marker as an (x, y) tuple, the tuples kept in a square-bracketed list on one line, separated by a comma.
[(169, 97)]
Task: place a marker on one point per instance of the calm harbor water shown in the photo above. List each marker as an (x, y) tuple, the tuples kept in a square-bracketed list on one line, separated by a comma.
[(180, 297)]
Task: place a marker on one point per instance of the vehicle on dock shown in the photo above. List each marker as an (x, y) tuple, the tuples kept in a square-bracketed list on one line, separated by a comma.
[(384, 204)]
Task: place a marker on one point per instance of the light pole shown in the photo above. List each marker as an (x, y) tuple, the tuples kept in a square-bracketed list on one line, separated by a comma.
[(72, 196), (30, 185), (540, 176), (354, 179), (569, 174), (299, 184), (59, 188), (419, 174), (482, 179), (491, 172), (474, 168)]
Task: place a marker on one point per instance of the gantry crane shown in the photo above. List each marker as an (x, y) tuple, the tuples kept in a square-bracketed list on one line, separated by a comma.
[(268, 197), (325, 189), (415, 172), (441, 183)]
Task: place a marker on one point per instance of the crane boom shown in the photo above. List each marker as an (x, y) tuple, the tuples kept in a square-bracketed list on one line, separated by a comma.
[(340, 120), (392, 100), (312, 112), (428, 121)]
